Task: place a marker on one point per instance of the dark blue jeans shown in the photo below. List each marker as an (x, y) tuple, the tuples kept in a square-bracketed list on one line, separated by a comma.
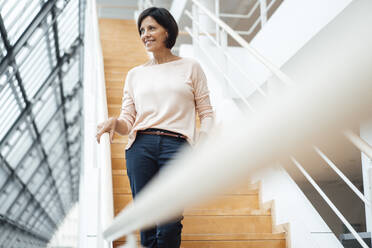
[(147, 155)]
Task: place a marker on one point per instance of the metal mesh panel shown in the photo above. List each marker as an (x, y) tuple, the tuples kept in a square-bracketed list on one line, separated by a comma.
[(68, 26), (18, 15), (11, 102), (40, 108)]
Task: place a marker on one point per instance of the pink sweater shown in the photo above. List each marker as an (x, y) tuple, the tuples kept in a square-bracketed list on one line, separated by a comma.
[(166, 96)]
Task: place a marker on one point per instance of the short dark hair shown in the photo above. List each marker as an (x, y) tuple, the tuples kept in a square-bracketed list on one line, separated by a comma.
[(165, 19)]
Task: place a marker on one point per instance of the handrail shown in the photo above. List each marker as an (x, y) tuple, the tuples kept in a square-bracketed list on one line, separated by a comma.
[(250, 13), (255, 24), (270, 66), (361, 144), (237, 65), (224, 75)]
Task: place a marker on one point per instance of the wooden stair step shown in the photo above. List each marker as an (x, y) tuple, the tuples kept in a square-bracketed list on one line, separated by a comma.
[(118, 164), (114, 96), (228, 204), (117, 84), (238, 212), (118, 139), (119, 172), (234, 244), (254, 240), (117, 150), (117, 68), (114, 110), (234, 236), (226, 237), (121, 184), (245, 188), (115, 76), (114, 61), (120, 201), (227, 224), (226, 244)]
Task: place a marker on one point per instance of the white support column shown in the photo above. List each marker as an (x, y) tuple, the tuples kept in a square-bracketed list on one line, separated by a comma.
[(366, 134)]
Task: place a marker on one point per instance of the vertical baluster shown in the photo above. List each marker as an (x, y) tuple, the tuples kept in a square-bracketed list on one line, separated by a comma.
[(263, 12), (217, 13), (195, 29)]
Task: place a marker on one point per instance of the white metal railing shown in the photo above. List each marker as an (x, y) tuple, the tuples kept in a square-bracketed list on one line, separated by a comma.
[(185, 187), (261, 19), (142, 5)]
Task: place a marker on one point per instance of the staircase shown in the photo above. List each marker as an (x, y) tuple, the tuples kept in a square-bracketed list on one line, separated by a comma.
[(121, 50), (236, 219)]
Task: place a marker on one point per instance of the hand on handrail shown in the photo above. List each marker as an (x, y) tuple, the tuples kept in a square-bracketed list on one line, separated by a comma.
[(108, 126)]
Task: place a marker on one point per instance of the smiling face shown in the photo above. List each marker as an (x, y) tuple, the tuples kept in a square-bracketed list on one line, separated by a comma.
[(153, 35)]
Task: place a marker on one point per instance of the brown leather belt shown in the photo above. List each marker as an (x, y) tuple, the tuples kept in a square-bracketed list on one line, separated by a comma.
[(161, 132)]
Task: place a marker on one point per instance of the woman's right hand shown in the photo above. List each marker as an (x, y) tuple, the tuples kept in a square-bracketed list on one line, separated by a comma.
[(106, 127)]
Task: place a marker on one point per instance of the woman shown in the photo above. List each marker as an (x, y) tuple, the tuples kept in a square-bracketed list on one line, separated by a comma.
[(160, 101)]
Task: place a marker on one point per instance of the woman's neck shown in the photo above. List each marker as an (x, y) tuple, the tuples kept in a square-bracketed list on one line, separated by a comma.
[(163, 56)]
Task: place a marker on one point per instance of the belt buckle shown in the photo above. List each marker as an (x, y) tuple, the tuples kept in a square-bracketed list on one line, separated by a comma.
[(158, 132)]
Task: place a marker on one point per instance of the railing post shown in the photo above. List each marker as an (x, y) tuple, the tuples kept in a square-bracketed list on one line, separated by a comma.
[(263, 12), (195, 29), (217, 13), (366, 135)]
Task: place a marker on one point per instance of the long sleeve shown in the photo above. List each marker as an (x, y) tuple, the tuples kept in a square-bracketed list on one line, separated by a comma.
[(202, 101), (128, 110)]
